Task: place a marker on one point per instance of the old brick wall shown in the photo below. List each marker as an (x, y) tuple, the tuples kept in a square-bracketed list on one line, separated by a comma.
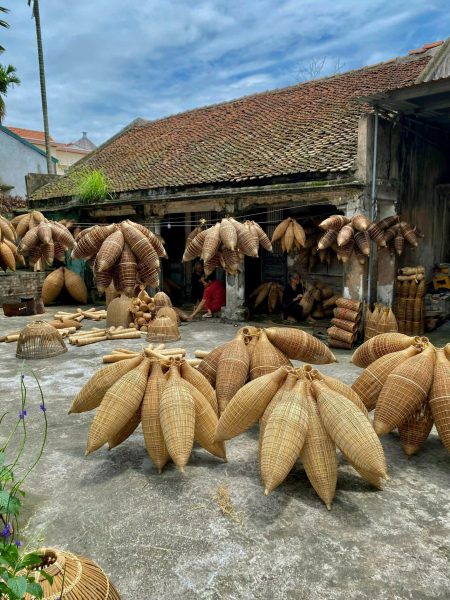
[(13, 286)]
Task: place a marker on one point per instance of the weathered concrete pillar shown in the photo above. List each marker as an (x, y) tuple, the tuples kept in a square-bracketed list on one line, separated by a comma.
[(386, 264), (235, 289)]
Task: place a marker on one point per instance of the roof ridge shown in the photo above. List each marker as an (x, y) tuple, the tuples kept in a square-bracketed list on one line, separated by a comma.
[(206, 107)]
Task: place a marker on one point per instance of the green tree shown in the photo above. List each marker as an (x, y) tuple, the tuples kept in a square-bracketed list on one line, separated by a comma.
[(8, 78), (37, 19), (3, 23)]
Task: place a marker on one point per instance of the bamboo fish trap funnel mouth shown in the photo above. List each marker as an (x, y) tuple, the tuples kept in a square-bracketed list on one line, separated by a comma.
[(163, 329), (82, 578), (40, 340)]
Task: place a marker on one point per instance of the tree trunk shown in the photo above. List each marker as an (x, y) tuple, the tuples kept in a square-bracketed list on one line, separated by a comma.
[(37, 19)]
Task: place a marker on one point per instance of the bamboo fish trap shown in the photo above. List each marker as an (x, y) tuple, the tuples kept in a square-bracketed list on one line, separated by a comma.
[(40, 340)]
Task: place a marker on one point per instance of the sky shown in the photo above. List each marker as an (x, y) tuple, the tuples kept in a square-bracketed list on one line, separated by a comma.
[(109, 61)]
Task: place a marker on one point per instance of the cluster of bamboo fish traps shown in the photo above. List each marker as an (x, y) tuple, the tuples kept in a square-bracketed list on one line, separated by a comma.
[(72, 226), (290, 234), (99, 334), (225, 244), (379, 320), (409, 388), (174, 402), (318, 300), (67, 576), (41, 240), (305, 415), (345, 323), (270, 293), (410, 289), (9, 255), (39, 340), (400, 233), (256, 352), (63, 279), (127, 254)]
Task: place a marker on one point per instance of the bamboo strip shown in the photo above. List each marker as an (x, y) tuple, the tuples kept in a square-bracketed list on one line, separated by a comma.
[(201, 353)]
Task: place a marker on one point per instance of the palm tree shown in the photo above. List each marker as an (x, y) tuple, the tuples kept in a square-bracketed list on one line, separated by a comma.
[(3, 23), (37, 19), (8, 78)]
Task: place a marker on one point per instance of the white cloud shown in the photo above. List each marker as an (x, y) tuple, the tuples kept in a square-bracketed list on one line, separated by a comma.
[(109, 61)]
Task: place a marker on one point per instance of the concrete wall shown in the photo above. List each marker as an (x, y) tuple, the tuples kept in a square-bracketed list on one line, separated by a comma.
[(21, 283), (16, 160)]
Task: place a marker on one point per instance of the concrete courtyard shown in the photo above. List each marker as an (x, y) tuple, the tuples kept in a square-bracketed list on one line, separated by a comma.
[(163, 537)]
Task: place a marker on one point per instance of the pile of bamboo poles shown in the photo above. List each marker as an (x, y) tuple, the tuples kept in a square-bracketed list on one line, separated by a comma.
[(93, 314), (158, 351), (96, 334), (345, 324), (14, 335)]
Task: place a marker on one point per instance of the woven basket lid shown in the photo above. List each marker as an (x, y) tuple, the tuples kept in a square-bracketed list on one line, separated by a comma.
[(82, 577), (161, 299), (168, 311), (40, 340), (163, 329)]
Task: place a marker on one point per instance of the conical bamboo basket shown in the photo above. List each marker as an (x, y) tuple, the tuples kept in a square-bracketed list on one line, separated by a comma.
[(318, 454), (379, 346), (288, 384), (75, 286), (151, 426), (335, 222), (405, 390), (168, 311), (415, 430), (127, 430), (266, 358), (208, 366), (53, 286), (177, 417), (296, 344), (284, 436), (440, 397), (161, 299), (110, 251), (118, 312), (194, 247), (200, 382), (345, 390), (232, 371), (228, 234)]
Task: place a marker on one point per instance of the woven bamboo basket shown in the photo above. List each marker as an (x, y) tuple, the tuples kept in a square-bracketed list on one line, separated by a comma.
[(119, 405), (369, 384), (248, 404), (194, 247), (335, 343), (280, 230), (110, 294), (335, 222), (416, 429), (345, 235), (192, 376), (266, 358), (110, 251), (88, 244), (362, 240), (369, 328), (162, 329), (360, 222), (341, 334), (208, 366), (127, 270), (296, 344), (388, 221), (126, 431), (318, 454), (168, 311), (161, 299), (284, 436), (287, 386), (212, 242), (353, 305), (379, 346), (75, 286), (80, 578), (140, 246), (39, 340), (350, 429), (328, 239), (228, 234), (151, 426), (233, 370), (376, 234), (118, 313), (346, 314), (177, 416), (93, 391), (53, 286), (404, 392), (344, 390), (440, 396)]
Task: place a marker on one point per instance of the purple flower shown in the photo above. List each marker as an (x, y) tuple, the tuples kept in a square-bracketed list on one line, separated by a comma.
[(22, 414), (7, 531), (42, 407), (18, 543)]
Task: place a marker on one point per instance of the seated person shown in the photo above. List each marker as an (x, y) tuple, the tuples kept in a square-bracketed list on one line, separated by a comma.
[(214, 297), (292, 294)]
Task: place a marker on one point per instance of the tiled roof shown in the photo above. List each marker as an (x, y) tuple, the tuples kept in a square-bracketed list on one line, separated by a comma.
[(35, 137), (311, 127)]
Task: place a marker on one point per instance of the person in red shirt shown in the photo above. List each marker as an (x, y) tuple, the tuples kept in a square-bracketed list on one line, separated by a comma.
[(214, 297)]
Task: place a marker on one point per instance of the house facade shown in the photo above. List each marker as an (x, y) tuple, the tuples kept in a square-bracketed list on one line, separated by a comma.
[(18, 157), (305, 151), (65, 154)]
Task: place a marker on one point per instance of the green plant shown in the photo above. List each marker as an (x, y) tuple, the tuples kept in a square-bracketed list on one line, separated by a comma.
[(16, 561), (91, 186)]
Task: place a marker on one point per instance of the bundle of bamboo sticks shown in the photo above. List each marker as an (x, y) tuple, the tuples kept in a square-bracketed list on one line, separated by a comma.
[(93, 314), (159, 351), (100, 335)]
